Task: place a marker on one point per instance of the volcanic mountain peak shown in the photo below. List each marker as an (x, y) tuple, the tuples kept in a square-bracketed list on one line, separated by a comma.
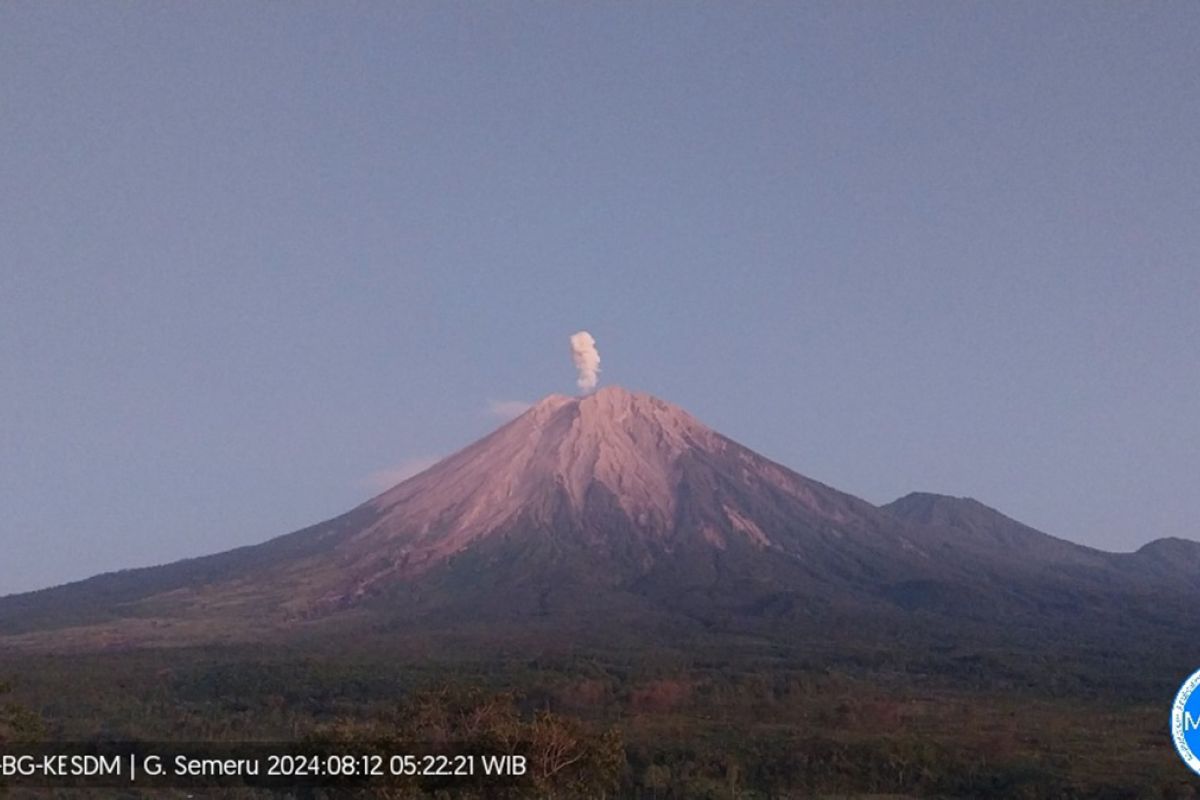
[(628, 443), (615, 500)]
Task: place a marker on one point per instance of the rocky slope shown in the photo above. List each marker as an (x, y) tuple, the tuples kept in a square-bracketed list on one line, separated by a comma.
[(617, 505)]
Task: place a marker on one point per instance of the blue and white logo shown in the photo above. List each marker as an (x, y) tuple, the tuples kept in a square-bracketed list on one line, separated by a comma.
[(1185, 722)]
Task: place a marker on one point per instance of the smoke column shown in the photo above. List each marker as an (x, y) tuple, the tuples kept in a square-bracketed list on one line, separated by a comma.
[(587, 360)]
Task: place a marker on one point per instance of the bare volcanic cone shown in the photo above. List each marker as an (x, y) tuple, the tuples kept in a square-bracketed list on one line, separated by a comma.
[(614, 503), (611, 491), (617, 483)]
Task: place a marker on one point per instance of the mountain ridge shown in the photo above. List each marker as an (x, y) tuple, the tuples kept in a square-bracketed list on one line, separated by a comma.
[(616, 500)]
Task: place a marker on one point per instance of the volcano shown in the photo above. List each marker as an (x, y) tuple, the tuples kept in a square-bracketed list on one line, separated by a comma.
[(618, 506)]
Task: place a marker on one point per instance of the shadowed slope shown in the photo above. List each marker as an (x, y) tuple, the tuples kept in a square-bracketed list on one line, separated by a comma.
[(614, 506)]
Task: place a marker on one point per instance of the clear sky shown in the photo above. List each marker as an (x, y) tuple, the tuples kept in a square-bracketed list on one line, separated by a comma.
[(256, 257)]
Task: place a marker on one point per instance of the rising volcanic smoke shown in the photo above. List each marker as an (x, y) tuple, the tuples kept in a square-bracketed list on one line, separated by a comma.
[(587, 360)]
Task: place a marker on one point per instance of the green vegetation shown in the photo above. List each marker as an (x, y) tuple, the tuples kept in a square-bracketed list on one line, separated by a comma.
[(754, 722), (17, 723)]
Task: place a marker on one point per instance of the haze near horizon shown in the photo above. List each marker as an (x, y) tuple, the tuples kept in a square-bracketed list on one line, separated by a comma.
[(257, 256)]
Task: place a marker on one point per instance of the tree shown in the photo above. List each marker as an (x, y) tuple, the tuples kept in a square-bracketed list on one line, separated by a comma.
[(16, 723), (566, 758), (657, 778)]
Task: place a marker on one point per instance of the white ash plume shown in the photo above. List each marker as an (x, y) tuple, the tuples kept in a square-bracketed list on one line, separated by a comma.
[(587, 360)]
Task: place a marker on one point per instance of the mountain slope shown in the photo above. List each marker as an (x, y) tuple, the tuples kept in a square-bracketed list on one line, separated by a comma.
[(616, 506), (978, 526)]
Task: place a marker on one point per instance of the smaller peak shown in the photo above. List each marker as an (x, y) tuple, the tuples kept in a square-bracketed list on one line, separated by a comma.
[(1170, 546), (931, 497), (931, 507), (1172, 554), (934, 499)]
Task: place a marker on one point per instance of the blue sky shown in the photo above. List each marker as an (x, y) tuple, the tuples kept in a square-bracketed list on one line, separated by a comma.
[(255, 256)]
